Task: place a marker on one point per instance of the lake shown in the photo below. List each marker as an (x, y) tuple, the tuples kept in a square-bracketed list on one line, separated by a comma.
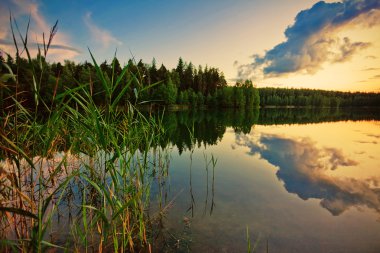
[(283, 180), (299, 180)]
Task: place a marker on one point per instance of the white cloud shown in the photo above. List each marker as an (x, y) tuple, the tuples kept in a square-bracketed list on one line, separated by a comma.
[(313, 39), (61, 48), (100, 35)]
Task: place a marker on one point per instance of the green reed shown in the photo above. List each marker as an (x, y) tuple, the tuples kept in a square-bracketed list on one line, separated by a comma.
[(111, 174)]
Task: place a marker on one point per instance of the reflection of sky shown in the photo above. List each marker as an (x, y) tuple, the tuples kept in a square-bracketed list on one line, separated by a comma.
[(308, 171), (253, 191)]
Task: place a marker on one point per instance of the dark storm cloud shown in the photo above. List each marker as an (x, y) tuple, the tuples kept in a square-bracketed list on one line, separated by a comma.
[(312, 39)]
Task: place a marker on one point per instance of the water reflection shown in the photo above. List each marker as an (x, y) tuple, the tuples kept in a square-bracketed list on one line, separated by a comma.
[(303, 168), (190, 129), (183, 195)]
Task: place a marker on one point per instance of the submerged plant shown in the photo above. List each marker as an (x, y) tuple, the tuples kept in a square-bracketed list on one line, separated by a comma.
[(71, 153)]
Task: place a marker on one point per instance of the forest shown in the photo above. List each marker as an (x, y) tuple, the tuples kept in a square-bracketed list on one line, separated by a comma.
[(316, 98), (145, 83), (184, 85)]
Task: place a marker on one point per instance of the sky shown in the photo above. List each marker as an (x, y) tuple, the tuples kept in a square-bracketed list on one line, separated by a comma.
[(294, 43)]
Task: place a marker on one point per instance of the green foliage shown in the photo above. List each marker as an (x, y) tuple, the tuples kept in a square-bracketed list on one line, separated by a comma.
[(167, 92), (165, 86), (227, 99), (316, 98), (106, 143), (208, 126)]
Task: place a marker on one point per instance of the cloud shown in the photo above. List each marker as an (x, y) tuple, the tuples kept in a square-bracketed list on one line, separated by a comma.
[(61, 47), (4, 19), (367, 142), (338, 159), (304, 169), (371, 69), (377, 136), (348, 49), (375, 77), (98, 34), (313, 39), (35, 46)]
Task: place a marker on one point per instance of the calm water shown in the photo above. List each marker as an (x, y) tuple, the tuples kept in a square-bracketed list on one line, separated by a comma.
[(300, 181)]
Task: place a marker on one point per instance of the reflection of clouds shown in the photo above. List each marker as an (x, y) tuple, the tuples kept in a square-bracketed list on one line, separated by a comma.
[(367, 142), (374, 181), (377, 136), (373, 138), (337, 158), (303, 168), (60, 165)]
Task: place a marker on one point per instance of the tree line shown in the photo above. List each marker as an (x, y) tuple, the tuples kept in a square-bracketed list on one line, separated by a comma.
[(183, 85), (316, 98)]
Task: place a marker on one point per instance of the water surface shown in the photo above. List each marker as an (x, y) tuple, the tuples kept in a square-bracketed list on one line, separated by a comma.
[(300, 180), (303, 182)]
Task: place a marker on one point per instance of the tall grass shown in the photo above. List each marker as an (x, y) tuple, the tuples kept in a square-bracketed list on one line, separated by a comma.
[(96, 159)]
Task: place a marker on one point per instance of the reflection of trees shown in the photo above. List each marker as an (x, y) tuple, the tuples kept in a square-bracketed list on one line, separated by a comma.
[(272, 116), (304, 170), (206, 127)]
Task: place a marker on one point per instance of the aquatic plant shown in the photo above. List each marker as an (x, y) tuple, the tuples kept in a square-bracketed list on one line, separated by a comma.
[(70, 153)]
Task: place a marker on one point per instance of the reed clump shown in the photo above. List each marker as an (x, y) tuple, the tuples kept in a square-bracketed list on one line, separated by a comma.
[(74, 175)]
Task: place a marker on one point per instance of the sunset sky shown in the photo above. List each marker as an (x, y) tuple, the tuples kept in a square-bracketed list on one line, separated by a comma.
[(294, 43)]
